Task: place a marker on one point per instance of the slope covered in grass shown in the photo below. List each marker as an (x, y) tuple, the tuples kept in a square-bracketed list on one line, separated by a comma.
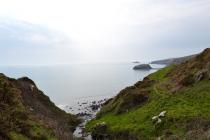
[(27, 114), (183, 91)]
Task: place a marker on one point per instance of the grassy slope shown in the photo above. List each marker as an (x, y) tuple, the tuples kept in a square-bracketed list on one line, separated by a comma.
[(182, 107), (18, 122)]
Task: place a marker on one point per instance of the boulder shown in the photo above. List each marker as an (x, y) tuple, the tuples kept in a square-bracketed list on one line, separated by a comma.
[(200, 75), (95, 107)]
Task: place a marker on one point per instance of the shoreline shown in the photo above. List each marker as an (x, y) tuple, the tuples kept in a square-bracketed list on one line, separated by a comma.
[(85, 110)]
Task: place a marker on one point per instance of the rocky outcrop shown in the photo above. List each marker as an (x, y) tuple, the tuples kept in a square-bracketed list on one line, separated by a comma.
[(142, 67), (192, 71)]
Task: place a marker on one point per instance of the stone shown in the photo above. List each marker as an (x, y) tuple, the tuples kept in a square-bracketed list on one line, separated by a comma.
[(199, 76)]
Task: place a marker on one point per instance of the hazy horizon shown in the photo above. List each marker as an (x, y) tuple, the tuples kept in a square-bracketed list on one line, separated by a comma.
[(66, 31)]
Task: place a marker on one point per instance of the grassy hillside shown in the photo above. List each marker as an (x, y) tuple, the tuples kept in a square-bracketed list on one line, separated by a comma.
[(183, 91), (27, 114)]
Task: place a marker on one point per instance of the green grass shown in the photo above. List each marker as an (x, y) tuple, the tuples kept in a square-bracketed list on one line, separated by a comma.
[(15, 121), (161, 74), (41, 132), (37, 132), (17, 136), (193, 102)]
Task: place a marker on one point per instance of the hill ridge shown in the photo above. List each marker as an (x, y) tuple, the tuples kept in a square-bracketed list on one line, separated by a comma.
[(26, 113), (182, 91)]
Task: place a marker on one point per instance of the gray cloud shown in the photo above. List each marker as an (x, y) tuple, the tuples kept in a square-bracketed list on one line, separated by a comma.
[(25, 43), (111, 30)]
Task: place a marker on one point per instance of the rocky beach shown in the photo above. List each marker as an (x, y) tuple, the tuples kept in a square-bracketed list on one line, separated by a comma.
[(85, 109)]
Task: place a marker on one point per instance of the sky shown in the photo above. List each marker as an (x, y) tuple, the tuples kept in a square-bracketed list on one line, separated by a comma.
[(40, 32)]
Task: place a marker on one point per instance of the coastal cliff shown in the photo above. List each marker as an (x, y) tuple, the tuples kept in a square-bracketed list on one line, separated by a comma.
[(170, 104), (172, 61), (27, 114)]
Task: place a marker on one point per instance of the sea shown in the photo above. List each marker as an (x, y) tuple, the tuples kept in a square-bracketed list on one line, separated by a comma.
[(67, 85)]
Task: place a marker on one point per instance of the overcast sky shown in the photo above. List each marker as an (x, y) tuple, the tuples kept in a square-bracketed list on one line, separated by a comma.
[(64, 31)]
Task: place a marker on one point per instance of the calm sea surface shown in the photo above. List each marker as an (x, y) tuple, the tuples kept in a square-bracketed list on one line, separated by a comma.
[(67, 84)]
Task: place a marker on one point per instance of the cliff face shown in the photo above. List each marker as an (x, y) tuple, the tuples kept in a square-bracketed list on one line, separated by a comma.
[(26, 113), (173, 103)]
